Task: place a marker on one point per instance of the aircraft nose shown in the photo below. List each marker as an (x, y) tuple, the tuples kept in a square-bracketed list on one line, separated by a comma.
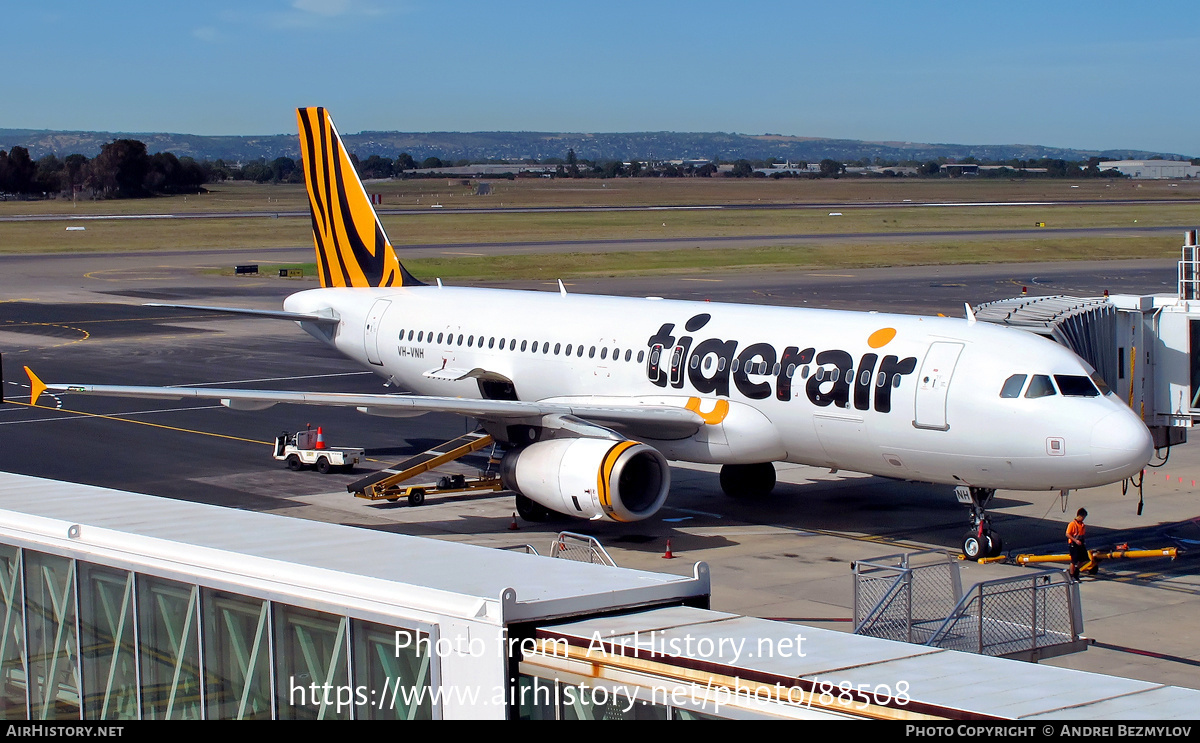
[(1121, 445)]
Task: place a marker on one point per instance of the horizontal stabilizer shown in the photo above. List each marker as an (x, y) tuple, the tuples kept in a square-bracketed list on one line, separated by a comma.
[(329, 319)]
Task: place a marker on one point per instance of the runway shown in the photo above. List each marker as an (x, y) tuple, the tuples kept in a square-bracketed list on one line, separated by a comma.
[(79, 318), (394, 212)]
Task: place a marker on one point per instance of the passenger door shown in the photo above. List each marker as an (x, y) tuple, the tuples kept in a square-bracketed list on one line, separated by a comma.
[(933, 383)]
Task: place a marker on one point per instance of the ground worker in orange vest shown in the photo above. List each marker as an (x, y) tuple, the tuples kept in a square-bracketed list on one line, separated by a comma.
[(1075, 543)]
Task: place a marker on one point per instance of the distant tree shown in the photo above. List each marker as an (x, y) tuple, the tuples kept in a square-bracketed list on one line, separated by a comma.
[(282, 169), (17, 171), (706, 170), (612, 169), (119, 171), (75, 172), (831, 168), (741, 169), (572, 163), (1056, 168), (432, 162), (49, 178), (404, 162), (929, 168), (257, 171)]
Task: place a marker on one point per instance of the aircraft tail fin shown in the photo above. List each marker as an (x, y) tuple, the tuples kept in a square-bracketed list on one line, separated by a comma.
[(352, 248)]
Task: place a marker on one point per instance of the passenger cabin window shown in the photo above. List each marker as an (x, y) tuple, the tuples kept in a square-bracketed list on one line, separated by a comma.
[(1040, 386), (557, 348), (641, 355), (1013, 385), (1073, 385)]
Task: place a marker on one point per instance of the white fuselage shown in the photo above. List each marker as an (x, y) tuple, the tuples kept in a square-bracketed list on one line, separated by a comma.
[(894, 395)]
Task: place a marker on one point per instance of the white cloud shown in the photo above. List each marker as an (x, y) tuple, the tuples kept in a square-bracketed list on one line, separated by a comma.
[(323, 7), (207, 34)]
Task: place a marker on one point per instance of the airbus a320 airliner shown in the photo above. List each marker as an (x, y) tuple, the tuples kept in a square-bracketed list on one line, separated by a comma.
[(591, 395)]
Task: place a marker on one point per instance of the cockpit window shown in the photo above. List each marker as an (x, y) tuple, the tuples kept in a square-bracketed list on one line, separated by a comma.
[(1012, 386), (1101, 384), (1073, 385), (1041, 386)]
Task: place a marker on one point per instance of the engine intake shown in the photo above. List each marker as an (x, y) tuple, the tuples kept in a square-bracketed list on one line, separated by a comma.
[(590, 478)]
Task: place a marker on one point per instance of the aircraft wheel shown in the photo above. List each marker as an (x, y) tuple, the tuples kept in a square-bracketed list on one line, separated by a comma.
[(323, 466), (973, 546), (416, 497), (293, 463), (995, 544), (531, 511), (748, 480)]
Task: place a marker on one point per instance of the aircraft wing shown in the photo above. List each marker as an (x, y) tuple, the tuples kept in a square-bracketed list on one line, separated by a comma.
[(653, 421)]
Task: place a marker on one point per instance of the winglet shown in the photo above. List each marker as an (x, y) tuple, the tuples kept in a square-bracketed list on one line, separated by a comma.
[(36, 386), (970, 314), (562, 290)]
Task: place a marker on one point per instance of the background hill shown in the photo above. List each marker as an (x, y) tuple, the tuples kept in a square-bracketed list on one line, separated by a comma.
[(484, 146)]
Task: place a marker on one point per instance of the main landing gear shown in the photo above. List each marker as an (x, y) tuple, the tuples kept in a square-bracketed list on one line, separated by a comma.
[(981, 541), (748, 480)]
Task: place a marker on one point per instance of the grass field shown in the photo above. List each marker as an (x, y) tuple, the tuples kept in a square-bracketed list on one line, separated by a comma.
[(450, 193), (447, 227), (571, 265)]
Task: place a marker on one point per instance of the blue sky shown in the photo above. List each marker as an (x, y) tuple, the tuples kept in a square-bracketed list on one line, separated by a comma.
[(1095, 75)]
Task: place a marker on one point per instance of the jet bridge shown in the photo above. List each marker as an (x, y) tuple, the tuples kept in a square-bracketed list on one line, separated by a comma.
[(1147, 348)]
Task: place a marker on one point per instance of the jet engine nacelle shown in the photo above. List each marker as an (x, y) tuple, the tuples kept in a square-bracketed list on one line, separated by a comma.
[(590, 478)]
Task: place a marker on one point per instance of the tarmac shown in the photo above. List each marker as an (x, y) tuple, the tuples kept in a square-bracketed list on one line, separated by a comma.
[(79, 318)]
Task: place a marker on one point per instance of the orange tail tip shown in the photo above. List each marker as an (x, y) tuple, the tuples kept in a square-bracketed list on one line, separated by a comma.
[(352, 248), (36, 386)]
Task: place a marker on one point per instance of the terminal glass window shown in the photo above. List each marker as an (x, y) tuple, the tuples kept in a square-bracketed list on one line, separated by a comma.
[(393, 669), (310, 664), (108, 649), (12, 641), (169, 642), (1194, 359), (237, 656), (50, 612)]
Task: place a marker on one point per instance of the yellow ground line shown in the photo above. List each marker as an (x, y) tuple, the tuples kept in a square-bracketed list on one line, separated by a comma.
[(10, 323), (142, 423)]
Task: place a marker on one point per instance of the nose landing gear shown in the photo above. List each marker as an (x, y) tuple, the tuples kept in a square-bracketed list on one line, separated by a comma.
[(981, 541)]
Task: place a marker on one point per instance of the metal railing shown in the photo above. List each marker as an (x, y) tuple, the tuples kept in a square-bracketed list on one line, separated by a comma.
[(918, 598), (571, 546)]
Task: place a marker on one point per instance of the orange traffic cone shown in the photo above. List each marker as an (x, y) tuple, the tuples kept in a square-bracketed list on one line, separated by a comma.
[(513, 526), (320, 439), (668, 555)]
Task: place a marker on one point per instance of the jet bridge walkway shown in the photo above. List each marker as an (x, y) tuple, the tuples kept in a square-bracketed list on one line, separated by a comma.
[(386, 483)]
